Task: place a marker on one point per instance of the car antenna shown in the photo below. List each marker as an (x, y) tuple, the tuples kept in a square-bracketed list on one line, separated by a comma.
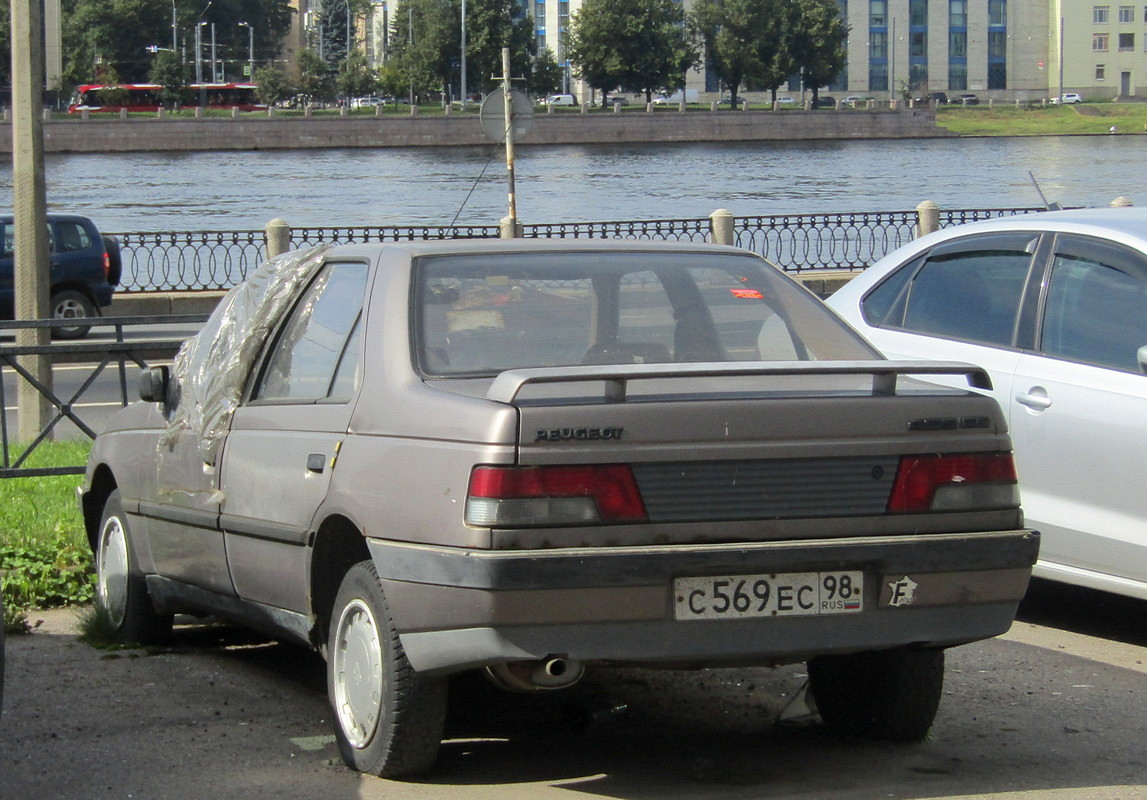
[(1047, 205)]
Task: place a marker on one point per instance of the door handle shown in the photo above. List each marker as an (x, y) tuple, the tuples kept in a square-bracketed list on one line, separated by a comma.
[(316, 462), (1035, 398)]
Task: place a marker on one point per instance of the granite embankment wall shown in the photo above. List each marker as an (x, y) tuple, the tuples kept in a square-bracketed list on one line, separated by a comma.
[(103, 134)]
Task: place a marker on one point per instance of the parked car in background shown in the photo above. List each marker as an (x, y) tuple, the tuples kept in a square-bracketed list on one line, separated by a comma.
[(933, 99), (1067, 98), (367, 102), (824, 101), (618, 100), (535, 457), (785, 100), (85, 269), (1054, 306), (967, 99), (561, 100)]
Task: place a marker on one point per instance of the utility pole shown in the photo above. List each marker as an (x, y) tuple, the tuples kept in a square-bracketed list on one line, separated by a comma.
[(29, 207), (508, 105), (464, 97)]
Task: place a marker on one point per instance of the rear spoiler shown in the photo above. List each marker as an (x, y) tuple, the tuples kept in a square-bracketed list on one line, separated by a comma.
[(885, 374)]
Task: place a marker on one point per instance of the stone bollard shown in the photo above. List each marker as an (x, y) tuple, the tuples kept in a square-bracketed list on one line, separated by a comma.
[(161, 113), (649, 108), (307, 110), (681, 107), (123, 113), (234, 113), (1121, 202), (278, 237), (927, 218), (549, 108), (414, 111), (85, 115), (509, 228), (378, 110), (721, 227), (745, 104), (343, 111), (713, 105), (616, 108), (584, 108), (448, 109), (270, 111), (198, 112)]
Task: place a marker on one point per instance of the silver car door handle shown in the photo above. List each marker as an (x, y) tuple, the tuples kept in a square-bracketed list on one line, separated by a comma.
[(316, 462), (1035, 399)]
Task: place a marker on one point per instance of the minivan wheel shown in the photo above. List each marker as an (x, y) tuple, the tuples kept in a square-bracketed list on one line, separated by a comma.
[(888, 695), (71, 304), (120, 588), (389, 720)]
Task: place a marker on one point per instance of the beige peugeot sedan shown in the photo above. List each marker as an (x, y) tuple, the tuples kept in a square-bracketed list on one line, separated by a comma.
[(531, 458)]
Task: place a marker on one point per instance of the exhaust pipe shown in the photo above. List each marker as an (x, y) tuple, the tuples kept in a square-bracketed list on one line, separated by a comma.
[(546, 674)]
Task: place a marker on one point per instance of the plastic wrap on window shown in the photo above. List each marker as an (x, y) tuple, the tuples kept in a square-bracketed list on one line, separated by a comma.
[(211, 369)]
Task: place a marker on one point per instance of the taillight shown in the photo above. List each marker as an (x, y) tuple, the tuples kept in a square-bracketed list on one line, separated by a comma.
[(516, 497), (107, 265), (963, 482)]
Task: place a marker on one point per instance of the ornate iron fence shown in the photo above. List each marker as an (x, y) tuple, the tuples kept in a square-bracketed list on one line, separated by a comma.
[(198, 260)]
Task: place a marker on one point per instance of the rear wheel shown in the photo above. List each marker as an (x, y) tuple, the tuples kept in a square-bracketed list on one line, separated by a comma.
[(120, 588), (389, 720), (71, 304), (889, 695)]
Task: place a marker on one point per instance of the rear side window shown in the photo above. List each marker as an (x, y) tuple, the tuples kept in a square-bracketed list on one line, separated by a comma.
[(72, 237), (972, 294), (1095, 313), (482, 314), (315, 356)]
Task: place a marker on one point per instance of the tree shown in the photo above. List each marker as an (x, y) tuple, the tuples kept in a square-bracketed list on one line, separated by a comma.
[(729, 30), (119, 32), (490, 26), (546, 76), (356, 78), (427, 43), (818, 42), (642, 45), (316, 81), (169, 72), (272, 84)]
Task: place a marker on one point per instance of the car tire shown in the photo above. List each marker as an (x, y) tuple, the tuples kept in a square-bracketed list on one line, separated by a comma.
[(886, 695), (120, 587), (68, 304), (389, 720)]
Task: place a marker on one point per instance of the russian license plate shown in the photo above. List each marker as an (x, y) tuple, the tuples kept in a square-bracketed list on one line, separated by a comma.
[(793, 594)]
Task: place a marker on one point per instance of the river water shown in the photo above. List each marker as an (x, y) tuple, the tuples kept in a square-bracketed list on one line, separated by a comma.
[(437, 186)]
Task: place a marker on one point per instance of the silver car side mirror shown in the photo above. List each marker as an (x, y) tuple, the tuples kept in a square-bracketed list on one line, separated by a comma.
[(153, 384)]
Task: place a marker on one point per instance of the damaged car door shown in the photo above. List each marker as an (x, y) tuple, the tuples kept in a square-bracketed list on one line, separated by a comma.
[(285, 436)]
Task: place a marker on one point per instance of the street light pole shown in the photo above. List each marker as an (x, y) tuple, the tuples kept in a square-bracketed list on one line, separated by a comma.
[(174, 29), (214, 79), (464, 96), (199, 52), (250, 49)]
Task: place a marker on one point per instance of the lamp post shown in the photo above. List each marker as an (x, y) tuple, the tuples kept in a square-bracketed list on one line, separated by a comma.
[(174, 30), (250, 49), (199, 52), (214, 63), (347, 29), (464, 98)]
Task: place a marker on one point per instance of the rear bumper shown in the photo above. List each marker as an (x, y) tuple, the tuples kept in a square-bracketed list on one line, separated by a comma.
[(456, 608)]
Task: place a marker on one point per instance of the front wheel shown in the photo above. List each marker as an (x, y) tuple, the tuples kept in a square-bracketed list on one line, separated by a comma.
[(389, 720), (120, 588), (888, 695), (71, 304)]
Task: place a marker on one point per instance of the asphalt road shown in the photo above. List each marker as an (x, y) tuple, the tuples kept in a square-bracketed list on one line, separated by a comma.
[(1056, 709)]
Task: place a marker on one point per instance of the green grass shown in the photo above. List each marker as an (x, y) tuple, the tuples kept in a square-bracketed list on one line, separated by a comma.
[(1008, 120), (45, 559)]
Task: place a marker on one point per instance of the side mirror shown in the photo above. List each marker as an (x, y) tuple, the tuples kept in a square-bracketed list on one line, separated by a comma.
[(153, 384)]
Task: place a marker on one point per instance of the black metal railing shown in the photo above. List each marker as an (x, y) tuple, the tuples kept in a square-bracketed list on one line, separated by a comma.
[(92, 358), (201, 260)]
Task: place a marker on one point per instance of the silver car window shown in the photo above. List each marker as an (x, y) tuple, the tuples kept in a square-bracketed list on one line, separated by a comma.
[(1095, 313), (305, 360), (482, 315)]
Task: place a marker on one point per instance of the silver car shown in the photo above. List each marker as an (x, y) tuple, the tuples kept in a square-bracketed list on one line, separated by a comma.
[(1054, 306), (533, 457)]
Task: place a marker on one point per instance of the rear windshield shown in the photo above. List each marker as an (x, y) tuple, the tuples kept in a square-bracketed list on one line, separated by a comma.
[(482, 314)]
